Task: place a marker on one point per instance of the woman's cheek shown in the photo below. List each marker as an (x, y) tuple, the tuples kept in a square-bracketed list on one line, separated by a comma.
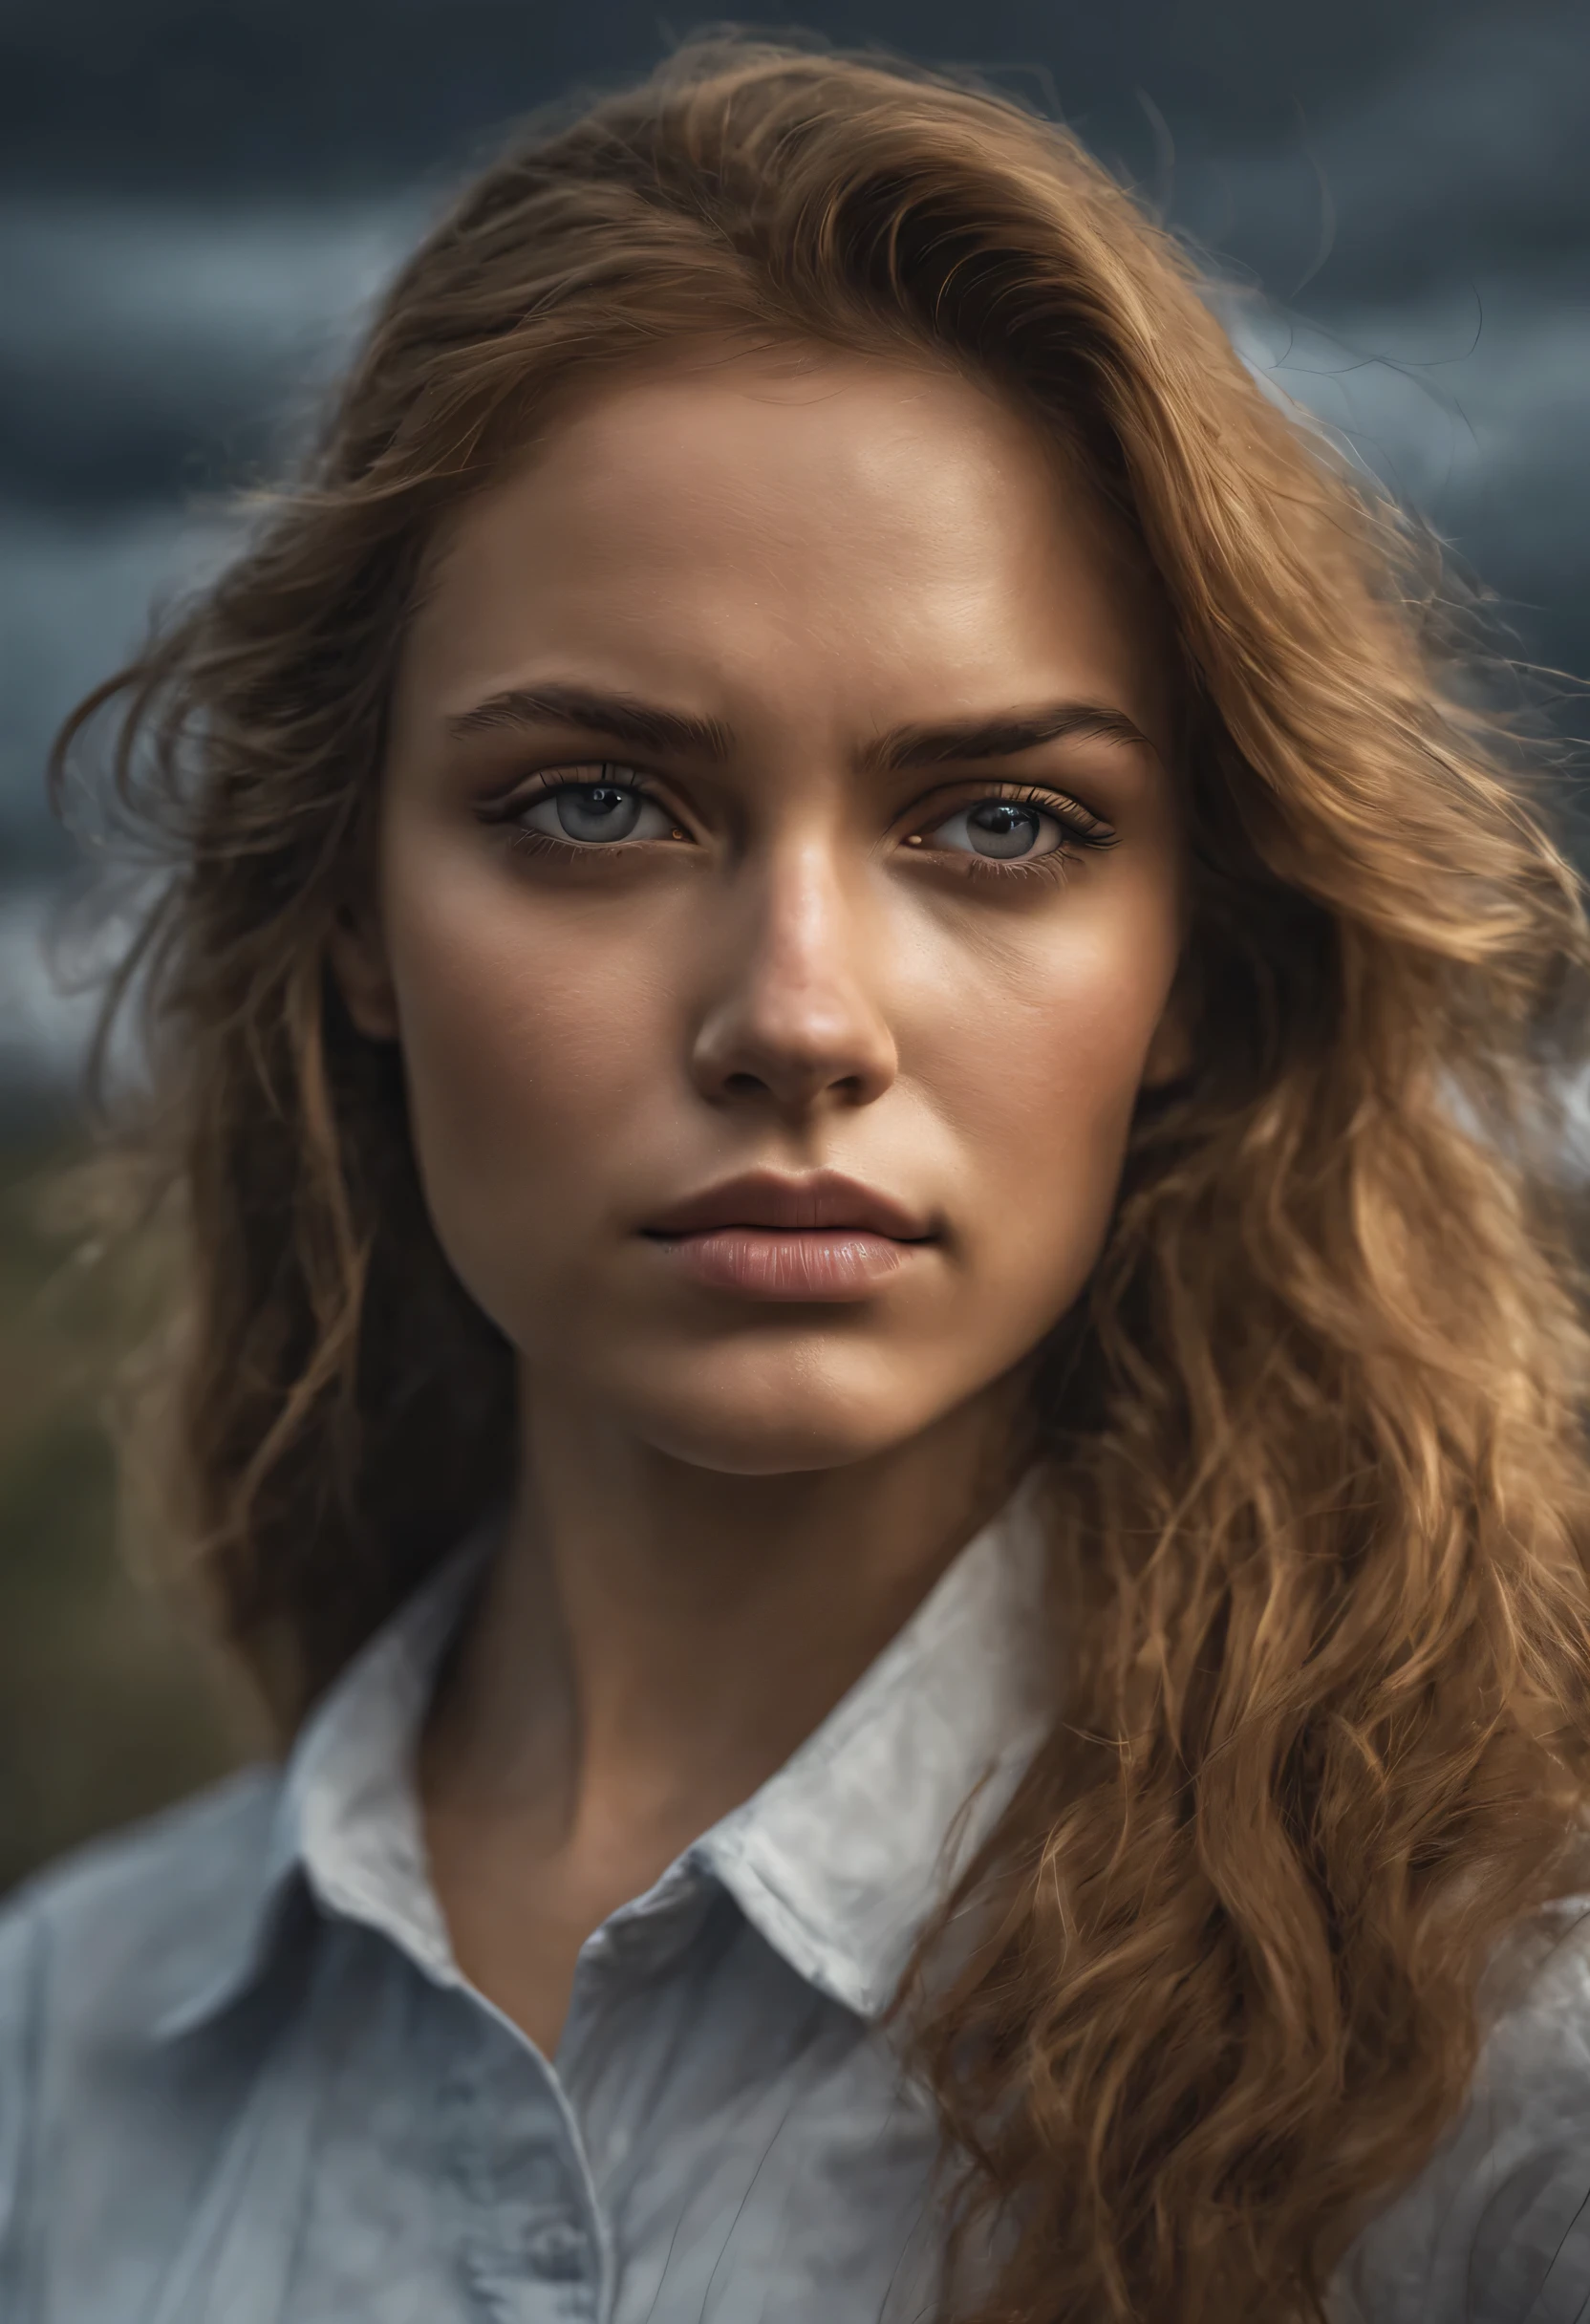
[(1041, 1047), (523, 1003)]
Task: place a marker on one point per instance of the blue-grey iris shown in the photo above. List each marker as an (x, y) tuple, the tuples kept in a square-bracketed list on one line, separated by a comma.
[(998, 827), (598, 810)]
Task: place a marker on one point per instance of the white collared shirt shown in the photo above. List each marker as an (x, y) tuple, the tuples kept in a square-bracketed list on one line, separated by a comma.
[(244, 2081), (264, 2094)]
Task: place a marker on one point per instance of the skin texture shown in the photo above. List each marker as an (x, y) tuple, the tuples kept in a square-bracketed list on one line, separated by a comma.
[(800, 963)]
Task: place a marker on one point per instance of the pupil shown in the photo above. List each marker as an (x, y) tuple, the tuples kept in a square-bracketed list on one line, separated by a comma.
[(1000, 828)]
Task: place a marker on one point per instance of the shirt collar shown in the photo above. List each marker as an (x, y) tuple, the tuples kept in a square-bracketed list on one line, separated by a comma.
[(347, 1820), (841, 1857), (838, 1859)]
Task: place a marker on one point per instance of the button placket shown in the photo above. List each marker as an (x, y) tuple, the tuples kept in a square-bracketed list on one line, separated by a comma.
[(637, 1943), (559, 2251), (529, 2244)]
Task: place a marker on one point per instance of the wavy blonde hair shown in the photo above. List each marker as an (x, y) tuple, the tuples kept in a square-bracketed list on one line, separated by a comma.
[(1319, 1485)]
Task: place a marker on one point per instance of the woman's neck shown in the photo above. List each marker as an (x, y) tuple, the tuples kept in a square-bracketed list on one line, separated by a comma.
[(653, 1642), (652, 1625)]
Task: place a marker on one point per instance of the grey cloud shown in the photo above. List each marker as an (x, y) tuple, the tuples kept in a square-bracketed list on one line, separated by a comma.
[(146, 349), (1472, 156), (1452, 405), (75, 599), (335, 94), (47, 1009), (1481, 420)]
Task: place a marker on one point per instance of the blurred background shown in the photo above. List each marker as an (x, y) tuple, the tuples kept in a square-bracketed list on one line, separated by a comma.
[(197, 198)]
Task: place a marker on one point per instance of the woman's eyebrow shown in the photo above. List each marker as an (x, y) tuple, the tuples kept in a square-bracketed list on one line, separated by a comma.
[(1000, 737), (622, 716), (643, 726)]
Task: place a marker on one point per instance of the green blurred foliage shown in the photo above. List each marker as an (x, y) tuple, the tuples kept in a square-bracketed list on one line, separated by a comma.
[(111, 1705)]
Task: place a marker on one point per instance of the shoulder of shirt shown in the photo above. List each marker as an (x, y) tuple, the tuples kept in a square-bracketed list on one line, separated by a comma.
[(115, 1934), (1495, 2230)]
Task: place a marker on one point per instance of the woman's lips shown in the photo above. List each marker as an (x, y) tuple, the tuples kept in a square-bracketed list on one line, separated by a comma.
[(772, 1236), (789, 1263)]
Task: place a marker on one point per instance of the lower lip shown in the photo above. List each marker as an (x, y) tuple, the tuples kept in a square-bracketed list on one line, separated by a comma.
[(770, 1263)]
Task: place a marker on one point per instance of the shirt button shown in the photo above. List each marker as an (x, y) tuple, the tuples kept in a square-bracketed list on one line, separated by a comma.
[(557, 2251)]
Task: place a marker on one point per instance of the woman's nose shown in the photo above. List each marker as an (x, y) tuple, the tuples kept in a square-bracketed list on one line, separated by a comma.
[(796, 1020)]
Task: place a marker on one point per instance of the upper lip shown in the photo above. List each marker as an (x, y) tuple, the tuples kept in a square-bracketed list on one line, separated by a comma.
[(765, 1198)]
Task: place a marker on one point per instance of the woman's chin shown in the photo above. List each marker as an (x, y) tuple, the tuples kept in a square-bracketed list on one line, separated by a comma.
[(748, 1450), (737, 1438)]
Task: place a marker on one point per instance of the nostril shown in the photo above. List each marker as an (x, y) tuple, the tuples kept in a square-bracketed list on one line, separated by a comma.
[(746, 1084)]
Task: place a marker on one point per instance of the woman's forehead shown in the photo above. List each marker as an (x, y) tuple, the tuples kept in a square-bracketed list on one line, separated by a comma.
[(848, 524)]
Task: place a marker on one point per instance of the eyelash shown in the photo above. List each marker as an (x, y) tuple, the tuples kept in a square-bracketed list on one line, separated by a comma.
[(504, 812), (1081, 829), (1081, 833)]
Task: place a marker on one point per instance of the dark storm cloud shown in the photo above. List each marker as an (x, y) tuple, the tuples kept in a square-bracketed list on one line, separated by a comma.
[(1471, 160), (262, 95), (1480, 421), (148, 343), (197, 197), (148, 354), (148, 350), (1442, 221)]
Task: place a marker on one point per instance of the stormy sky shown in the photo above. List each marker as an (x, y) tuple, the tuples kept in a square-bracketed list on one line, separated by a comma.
[(197, 196)]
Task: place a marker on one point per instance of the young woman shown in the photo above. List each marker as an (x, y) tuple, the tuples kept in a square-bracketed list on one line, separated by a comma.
[(854, 1033)]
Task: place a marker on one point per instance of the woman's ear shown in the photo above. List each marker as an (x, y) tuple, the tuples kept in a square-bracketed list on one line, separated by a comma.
[(357, 955)]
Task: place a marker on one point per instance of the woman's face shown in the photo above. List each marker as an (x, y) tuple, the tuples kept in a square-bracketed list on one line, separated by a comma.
[(779, 900)]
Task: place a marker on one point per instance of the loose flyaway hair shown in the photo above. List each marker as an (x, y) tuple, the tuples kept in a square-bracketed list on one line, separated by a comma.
[(1317, 1481)]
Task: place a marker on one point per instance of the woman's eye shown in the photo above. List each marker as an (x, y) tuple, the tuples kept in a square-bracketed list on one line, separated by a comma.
[(591, 814), (1004, 828)]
